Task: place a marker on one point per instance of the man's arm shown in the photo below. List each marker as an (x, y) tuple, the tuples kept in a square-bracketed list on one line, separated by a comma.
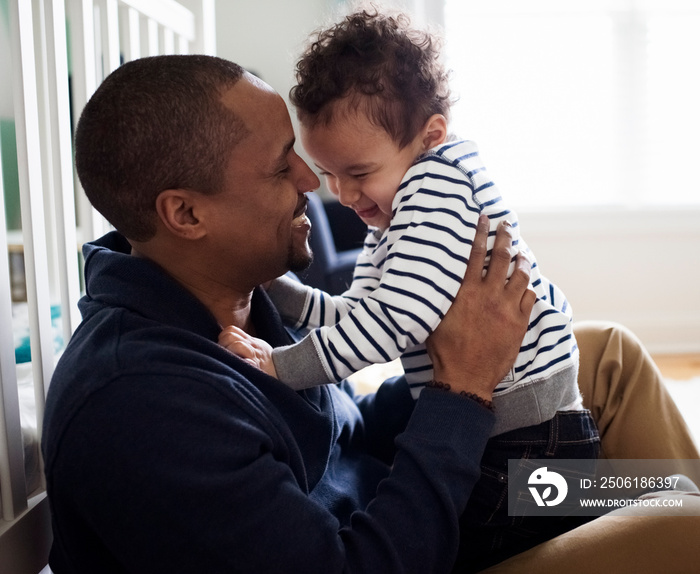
[(197, 483), (468, 354), (227, 478)]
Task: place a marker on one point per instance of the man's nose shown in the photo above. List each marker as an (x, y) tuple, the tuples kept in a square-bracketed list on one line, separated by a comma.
[(307, 180), (309, 183)]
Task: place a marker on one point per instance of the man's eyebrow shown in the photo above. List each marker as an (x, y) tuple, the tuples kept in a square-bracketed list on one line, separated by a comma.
[(281, 159)]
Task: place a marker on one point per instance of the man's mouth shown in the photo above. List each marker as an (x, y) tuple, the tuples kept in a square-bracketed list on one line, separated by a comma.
[(300, 218)]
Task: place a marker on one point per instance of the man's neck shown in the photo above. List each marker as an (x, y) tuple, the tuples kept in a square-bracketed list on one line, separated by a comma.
[(239, 316), (228, 304), (229, 308)]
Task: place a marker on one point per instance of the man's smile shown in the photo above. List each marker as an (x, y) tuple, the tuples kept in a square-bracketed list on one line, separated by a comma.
[(300, 218)]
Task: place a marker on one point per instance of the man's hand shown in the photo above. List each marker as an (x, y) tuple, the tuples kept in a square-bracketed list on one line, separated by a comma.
[(477, 342), (251, 349)]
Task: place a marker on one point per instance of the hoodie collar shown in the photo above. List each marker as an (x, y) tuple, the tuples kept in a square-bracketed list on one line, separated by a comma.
[(115, 278)]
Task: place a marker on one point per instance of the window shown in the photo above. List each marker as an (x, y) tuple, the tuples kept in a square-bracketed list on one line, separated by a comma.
[(580, 103)]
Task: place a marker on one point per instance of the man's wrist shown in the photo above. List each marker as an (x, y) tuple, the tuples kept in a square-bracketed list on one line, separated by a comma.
[(464, 377), (477, 397)]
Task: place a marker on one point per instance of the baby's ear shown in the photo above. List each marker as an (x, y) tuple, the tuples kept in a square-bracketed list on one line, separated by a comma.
[(434, 131)]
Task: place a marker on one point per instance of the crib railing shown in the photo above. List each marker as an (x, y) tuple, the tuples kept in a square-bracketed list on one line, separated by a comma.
[(56, 216)]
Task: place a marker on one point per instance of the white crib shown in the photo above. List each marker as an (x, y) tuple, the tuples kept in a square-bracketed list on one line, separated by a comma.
[(55, 216)]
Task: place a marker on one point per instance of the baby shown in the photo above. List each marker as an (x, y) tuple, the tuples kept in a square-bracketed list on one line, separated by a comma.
[(373, 102)]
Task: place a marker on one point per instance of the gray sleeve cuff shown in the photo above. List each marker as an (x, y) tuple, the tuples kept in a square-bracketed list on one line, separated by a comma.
[(299, 366)]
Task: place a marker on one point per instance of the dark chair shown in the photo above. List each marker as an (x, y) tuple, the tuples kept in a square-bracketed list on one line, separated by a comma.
[(332, 225)]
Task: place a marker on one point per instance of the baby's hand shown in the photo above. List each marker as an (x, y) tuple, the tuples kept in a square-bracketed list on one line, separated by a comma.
[(251, 349)]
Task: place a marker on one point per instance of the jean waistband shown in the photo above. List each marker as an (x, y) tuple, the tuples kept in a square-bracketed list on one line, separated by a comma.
[(564, 427)]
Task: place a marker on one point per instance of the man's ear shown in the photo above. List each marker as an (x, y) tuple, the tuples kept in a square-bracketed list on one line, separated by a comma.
[(434, 131), (177, 210)]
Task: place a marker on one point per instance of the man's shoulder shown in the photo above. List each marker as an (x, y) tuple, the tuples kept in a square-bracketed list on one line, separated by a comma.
[(117, 339), (126, 357)]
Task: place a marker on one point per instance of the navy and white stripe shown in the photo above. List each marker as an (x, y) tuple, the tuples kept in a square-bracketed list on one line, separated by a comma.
[(407, 277)]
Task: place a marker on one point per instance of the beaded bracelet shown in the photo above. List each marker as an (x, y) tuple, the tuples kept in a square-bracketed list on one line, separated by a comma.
[(446, 387)]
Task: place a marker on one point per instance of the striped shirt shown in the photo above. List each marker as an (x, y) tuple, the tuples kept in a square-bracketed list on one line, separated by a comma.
[(406, 278)]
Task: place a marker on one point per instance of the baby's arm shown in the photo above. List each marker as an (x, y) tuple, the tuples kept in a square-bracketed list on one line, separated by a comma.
[(258, 353), (290, 298), (304, 307)]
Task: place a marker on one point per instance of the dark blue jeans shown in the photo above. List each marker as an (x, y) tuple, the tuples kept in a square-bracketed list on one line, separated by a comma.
[(488, 535)]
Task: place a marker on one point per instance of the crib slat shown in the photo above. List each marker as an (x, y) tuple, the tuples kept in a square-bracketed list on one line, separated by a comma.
[(12, 484), (131, 29), (31, 204), (204, 41), (169, 14), (109, 18), (183, 46), (80, 15), (151, 40), (85, 79), (32, 200), (168, 38), (41, 53), (62, 170)]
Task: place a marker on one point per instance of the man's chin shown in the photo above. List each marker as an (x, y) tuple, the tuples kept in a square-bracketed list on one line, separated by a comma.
[(300, 260)]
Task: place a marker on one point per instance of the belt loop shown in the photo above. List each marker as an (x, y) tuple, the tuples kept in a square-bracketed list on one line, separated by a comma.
[(553, 436)]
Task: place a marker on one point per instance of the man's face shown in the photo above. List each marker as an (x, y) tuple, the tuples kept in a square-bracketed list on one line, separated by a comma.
[(257, 223)]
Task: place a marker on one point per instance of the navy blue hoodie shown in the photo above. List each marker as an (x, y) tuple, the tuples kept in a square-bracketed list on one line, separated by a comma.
[(166, 453)]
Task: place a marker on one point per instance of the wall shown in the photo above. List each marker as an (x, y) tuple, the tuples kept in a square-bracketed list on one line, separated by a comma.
[(267, 36), (637, 267)]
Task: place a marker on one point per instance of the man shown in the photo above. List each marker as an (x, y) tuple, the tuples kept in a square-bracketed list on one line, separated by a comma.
[(164, 452)]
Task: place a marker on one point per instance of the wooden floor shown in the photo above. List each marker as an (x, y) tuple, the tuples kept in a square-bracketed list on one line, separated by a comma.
[(679, 367)]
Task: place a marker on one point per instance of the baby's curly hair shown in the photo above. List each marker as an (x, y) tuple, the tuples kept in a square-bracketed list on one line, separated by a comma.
[(388, 70)]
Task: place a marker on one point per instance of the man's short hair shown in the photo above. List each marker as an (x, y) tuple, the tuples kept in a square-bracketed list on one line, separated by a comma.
[(154, 124), (388, 70)]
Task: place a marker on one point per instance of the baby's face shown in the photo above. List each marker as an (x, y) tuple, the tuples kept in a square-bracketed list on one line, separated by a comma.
[(363, 166)]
